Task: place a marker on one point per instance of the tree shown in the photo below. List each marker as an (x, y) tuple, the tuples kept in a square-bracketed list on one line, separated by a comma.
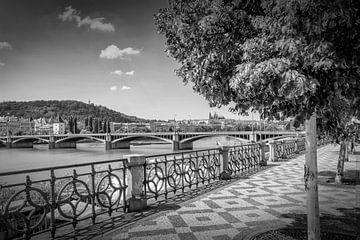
[(91, 124), (283, 58), (86, 122), (96, 125), (71, 124), (75, 129)]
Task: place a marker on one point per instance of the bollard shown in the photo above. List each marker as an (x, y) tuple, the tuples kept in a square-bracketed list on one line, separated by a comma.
[(225, 174), (135, 196)]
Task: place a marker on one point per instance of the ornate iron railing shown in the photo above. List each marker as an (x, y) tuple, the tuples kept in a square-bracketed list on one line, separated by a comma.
[(50, 198), (244, 157), (174, 172)]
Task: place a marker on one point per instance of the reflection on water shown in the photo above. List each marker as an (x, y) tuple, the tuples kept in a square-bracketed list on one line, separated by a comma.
[(40, 156)]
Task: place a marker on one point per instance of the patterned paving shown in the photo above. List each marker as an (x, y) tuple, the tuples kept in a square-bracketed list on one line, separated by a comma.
[(265, 199)]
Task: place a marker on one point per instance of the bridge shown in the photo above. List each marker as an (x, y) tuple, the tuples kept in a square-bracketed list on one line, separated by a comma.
[(179, 140)]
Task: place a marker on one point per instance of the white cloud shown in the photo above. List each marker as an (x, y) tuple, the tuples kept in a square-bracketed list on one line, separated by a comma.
[(130, 73), (70, 14), (5, 45), (113, 52), (117, 72), (2, 64), (113, 88), (125, 88)]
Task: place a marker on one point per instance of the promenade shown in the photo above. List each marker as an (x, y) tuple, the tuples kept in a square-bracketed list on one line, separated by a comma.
[(272, 198)]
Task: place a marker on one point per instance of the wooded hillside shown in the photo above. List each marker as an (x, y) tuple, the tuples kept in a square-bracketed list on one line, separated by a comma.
[(66, 108)]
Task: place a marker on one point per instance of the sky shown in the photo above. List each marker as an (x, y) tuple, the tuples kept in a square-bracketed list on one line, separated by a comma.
[(105, 51)]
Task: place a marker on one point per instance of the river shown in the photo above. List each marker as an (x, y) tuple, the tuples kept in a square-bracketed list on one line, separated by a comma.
[(40, 156)]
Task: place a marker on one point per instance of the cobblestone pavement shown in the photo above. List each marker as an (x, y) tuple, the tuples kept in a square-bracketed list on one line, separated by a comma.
[(274, 197)]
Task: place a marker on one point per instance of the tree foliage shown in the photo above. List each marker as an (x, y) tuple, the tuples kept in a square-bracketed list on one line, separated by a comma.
[(283, 58)]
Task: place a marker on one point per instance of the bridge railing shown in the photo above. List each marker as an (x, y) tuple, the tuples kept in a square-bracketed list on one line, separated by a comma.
[(48, 199)]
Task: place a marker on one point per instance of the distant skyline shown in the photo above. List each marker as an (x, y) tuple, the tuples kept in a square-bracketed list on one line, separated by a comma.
[(105, 51)]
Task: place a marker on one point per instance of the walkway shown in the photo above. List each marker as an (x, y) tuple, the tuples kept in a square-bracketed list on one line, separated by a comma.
[(272, 198)]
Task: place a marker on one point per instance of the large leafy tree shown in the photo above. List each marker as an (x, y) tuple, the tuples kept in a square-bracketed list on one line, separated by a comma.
[(283, 58)]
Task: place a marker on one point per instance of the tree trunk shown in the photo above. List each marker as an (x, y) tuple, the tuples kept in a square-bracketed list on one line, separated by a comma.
[(310, 178), (341, 160), (346, 157)]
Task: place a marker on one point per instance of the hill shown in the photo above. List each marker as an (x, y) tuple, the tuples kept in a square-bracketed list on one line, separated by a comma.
[(66, 108)]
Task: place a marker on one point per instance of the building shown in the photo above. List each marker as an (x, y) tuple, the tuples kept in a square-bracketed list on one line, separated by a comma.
[(15, 126), (58, 128)]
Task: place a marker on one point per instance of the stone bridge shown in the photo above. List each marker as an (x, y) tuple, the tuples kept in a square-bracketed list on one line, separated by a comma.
[(179, 140)]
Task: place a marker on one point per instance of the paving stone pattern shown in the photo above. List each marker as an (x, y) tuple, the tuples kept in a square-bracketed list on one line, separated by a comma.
[(264, 200)]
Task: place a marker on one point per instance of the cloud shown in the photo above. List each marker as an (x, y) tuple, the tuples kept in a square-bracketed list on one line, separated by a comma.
[(125, 88), (113, 88), (70, 14), (2, 64), (130, 73), (5, 45), (117, 72), (113, 52)]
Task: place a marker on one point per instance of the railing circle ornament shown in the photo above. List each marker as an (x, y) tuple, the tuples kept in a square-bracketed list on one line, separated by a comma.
[(155, 179), (28, 212), (109, 190), (73, 199)]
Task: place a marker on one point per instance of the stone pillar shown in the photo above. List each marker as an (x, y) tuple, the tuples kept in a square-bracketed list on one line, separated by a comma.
[(252, 137), (108, 145), (272, 149), (262, 154), (52, 142), (176, 142), (8, 143), (135, 195), (225, 174)]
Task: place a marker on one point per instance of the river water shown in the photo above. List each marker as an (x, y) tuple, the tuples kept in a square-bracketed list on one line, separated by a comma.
[(40, 156)]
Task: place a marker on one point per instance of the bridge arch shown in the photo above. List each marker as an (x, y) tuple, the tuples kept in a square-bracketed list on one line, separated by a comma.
[(30, 139), (78, 138), (195, 138), (132, 138)]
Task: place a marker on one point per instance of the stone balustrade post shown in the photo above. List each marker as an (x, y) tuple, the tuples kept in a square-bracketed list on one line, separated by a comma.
[(224, 163), (135, 195), (272, 149), (262, 154)]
